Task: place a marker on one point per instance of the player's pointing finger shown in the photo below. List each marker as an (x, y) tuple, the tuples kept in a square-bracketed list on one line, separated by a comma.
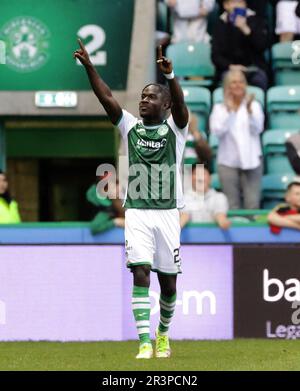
[(81, 44)]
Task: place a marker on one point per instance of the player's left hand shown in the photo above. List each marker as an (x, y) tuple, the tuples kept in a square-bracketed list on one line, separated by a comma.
[(164, 63)]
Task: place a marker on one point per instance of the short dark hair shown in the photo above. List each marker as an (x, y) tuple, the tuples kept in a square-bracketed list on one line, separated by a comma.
[(164, 90), (292, 184)]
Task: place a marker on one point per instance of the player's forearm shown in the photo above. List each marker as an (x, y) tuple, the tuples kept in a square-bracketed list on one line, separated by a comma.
[(100, 88), (104, 94), (176, 92), (179, 110)]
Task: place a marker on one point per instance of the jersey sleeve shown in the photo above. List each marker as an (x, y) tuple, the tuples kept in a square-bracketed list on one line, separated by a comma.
[(183, 132), (126, 122)]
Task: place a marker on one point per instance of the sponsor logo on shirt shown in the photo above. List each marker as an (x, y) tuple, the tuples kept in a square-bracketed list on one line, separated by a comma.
[(151, 144)]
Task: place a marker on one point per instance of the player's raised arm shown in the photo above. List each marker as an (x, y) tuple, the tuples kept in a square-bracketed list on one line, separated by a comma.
[(179, 110), (101, 90)]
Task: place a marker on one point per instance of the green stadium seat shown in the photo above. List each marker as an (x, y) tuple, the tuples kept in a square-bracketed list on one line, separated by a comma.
[(192, 60), (214, 143), (274, 188), (215, 182), (285, 71), (162, 16), (217, 95), (275, 151), (278, 163), (198, 100), (283, 107), (270, 204)]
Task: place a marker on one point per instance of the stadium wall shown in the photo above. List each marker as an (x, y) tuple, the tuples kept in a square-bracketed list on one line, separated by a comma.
[(59, 285)]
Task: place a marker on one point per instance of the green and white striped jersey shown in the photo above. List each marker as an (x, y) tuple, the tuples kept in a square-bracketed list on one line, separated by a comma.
[(154, 163)]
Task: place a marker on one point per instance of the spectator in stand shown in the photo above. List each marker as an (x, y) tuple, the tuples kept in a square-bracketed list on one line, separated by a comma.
[(110, 212), (287, 215), (202, 203), (259, 6), (239, 41), (287, 21), (197, 147), (190, 19), (9, 212), (292, 145), (238, 123)]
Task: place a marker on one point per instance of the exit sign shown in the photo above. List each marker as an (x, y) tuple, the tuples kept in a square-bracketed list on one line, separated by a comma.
[(56, 99)]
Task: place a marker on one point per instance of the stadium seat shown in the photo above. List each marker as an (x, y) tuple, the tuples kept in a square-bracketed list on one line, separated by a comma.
[(192, 60), (275, 151), (283, 105), (274, 188), (215, 182), (286, 72), (213, 143), (198, 100), (217, 96)]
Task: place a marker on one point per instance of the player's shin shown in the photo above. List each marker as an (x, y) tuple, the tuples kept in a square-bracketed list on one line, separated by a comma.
[(167, 308), (141, 312)]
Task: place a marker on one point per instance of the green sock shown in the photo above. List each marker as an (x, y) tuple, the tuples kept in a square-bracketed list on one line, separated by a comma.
[(167, 307), (141, 311)]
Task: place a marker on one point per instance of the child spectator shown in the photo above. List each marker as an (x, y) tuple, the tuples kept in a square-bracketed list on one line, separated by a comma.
[(287, 215), (202, 203)]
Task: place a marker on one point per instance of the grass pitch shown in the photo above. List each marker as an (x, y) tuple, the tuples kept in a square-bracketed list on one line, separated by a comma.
[(236, 355)]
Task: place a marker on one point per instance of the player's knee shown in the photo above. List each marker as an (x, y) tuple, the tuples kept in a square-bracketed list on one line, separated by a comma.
[(141, 275)]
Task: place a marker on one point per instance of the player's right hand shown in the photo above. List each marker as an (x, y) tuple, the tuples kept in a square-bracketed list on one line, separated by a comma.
[(82, 54)]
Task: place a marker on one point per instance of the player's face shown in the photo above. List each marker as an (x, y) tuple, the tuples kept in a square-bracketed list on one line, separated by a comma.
[(3, 184), (293, 197), (152, 106)]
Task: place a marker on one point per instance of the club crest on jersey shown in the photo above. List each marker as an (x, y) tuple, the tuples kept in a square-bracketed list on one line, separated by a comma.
[(141, 130), (162, 130)]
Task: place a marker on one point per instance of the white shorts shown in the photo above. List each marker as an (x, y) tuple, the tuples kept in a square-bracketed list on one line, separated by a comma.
[(152, 237), (286, 19)]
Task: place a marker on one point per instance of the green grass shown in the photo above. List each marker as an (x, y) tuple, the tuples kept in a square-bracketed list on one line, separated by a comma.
[(236, 355)]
